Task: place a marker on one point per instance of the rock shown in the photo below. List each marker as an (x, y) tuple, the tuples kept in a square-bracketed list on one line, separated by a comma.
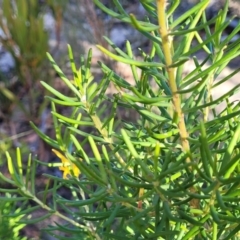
[(7, 62)]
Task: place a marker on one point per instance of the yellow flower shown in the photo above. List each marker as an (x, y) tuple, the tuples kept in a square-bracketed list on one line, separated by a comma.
[(67, 166)]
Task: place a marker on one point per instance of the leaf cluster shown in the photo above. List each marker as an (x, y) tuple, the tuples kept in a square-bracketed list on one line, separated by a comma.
[(173, 173), (24, 34)]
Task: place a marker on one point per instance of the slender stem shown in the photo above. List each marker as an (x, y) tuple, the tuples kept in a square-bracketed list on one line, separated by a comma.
[(167, 50), (57, 213), (98, 124)]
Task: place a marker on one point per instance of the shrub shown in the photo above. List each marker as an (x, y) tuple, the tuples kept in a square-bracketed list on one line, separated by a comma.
[(172, 173), (25, 37)]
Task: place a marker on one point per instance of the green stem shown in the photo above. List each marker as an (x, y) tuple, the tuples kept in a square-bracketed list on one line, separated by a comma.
[(98, 124), (57, 213), (167, 50)]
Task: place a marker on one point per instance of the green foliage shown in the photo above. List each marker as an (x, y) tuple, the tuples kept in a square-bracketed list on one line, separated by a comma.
[(9, 219), (26, 39), (24, 34), (173, 173), (5, 145)]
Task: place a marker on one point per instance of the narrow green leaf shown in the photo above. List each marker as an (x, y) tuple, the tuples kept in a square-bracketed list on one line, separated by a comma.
[(76, 74), (13, 199), (229, 152), (12, 171), (140, 27), (130, 61), (72, 121), (46, 138), (152, 115), (201, 5), (63, 77), (58, 94), (129, 144), (98, 158), (35, 220)]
